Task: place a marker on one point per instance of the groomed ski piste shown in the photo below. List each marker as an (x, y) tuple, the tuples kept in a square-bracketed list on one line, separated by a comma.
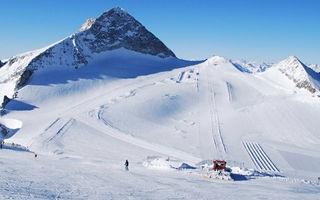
[(169, 124), (259, 157)]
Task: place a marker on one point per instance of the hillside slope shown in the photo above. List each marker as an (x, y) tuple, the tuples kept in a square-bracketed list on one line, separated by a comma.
[(206, 111)]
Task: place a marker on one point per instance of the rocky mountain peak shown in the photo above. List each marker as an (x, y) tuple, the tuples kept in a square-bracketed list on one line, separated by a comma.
[(116, 28), (116, 11), (298, 72), (293, 66), (291, 61)]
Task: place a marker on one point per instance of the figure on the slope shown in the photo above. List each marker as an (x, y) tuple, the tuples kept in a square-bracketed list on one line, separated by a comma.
[(126, 164), (2, 143)]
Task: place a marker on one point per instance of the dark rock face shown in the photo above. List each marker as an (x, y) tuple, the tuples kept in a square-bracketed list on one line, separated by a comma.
[(3, 131), (24, 78), (5, 101), (307, 85), (116, 28)]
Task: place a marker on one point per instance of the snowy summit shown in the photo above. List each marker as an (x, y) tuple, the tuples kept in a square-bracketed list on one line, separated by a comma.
[(300, 74), (112, 30)]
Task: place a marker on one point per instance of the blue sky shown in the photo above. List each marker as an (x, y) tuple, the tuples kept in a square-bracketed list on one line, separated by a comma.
[(261, 30)]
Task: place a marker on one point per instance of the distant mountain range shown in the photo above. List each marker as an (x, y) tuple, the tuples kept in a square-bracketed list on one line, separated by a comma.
[(116, 29)]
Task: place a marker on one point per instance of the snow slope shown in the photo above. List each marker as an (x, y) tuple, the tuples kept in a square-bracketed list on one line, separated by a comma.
[(84, 128)]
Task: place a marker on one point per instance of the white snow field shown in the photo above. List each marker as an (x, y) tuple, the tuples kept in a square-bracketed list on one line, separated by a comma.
[(160, 113)]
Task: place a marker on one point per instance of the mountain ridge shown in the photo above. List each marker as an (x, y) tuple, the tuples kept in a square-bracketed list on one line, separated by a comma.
[(114, 29), (86, 25)]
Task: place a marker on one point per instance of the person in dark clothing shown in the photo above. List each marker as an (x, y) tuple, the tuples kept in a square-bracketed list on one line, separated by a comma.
[(126, 164)]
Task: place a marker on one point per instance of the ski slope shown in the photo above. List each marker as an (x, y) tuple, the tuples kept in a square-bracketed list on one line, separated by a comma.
[(259, 157), (84, 124)]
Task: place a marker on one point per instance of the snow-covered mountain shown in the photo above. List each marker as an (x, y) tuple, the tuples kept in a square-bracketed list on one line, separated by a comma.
[(112, 30), (113, 92), (292, 68), (315, 67), (251, 66), (300, 74)]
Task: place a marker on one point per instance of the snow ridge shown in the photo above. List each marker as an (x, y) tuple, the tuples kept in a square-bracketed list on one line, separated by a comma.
[(214, 60), (87, 24)]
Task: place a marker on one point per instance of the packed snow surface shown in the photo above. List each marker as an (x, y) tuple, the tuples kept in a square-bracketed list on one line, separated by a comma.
[(170, 118)]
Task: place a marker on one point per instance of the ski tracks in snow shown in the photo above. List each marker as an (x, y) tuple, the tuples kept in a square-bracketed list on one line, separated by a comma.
[(187, 76), (229, 88), (259, 157), (55, 130), (62, 129), (210, 133), (215, 122)]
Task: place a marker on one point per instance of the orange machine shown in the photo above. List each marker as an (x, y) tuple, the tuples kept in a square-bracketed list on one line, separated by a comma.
[(219, 165)]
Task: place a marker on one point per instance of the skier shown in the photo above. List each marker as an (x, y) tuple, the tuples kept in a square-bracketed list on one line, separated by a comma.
[(126, 164), (2, 143)]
